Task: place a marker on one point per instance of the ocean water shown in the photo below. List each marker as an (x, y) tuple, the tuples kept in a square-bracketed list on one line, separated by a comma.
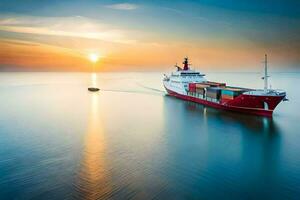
[(131, 141)]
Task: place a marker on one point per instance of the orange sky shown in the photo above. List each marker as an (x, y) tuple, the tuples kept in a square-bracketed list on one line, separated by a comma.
[(136, 37), (31, 56)]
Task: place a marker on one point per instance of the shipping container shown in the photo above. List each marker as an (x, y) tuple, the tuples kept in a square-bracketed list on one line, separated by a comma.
[(192, 87), (215, 84), (234, 92), (213, 92), (228, 97), (228, 92), (200, 90), (213, 95), (237, 89), (214, 89), (201, 85)]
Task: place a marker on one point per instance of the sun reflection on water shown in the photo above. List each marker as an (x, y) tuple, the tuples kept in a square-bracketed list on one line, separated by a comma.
[(93, 176), (94, 79)]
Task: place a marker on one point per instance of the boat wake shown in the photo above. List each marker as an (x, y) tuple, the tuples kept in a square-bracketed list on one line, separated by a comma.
[(150, 88), (131, 91)]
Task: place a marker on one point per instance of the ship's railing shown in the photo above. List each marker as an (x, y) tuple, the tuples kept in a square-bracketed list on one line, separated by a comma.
[(269, 92)]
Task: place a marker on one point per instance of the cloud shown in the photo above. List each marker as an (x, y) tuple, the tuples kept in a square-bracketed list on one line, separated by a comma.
[(17, 42), (76, 26), (122, 6)]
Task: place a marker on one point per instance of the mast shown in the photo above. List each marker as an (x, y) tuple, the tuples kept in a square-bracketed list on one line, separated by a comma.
[(186, 64), (266, 74)]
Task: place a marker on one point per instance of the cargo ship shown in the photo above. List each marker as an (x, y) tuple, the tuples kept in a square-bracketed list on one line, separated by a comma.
[(191, 85)]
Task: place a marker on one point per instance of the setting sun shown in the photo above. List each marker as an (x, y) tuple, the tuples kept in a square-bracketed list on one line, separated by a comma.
[(94, 57)]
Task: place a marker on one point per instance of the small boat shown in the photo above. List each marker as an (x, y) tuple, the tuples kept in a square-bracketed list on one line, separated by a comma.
[(93, 89)]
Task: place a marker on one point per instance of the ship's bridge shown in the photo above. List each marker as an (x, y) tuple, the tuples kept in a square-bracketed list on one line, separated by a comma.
[(187, 75)]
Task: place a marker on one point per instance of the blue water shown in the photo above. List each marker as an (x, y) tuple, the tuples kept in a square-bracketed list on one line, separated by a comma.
[(131, 141)]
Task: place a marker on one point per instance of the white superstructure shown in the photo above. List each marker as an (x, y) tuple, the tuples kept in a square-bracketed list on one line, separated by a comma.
[(178, 81)]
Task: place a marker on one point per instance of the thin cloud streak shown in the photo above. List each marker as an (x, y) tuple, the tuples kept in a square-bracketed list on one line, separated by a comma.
[(122, 6), (19, 42)]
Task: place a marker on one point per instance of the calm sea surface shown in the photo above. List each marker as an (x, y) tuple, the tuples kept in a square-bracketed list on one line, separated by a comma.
[(131, 141)]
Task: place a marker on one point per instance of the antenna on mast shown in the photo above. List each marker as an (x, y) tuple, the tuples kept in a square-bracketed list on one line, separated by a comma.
[(266, 74), (178, 68)]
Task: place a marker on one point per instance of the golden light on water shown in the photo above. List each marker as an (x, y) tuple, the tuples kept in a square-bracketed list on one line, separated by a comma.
[(94, 79), (94, 180)]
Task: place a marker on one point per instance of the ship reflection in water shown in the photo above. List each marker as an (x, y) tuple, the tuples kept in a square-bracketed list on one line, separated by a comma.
[(251, 122), (93, 179)]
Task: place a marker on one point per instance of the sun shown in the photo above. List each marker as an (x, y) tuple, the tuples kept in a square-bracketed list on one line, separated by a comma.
[(94, 57)]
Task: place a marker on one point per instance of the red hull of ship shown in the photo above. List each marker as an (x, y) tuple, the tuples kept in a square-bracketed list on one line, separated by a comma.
[(249, 104)]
